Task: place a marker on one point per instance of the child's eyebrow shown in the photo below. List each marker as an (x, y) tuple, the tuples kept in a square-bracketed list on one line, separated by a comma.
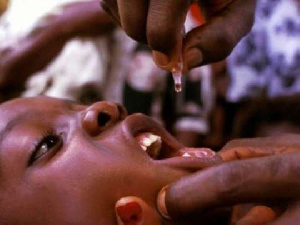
[(70, 104), (12, 124)]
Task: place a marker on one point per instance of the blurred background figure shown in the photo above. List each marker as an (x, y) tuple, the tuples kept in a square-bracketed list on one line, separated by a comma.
[(269, 117), (266, 62), (68, 49), (264, 65), (49, 44), (144, 83), (193, 107)]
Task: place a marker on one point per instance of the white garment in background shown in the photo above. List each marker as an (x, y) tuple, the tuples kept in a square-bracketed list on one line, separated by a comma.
[(266, 63), (97, 61)]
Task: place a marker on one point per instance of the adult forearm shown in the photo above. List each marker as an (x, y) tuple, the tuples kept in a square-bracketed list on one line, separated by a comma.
[(31, 55), (35, 51)]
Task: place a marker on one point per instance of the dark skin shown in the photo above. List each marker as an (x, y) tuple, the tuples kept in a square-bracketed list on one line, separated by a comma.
[(259, 181), (159, 24), (263, 171), (3, 6), (64, 163), (44, 43), (208, 43)]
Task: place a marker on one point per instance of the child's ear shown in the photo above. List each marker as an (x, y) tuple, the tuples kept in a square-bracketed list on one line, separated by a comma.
[(132, 210)]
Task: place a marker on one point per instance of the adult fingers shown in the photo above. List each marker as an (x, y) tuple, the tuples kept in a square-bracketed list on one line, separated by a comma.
[(164, 31), (274, 141), (258, 215), (159, 23), (215, 39), (239, 153), (133, 14), (291, 216), (235, 182), (259, 147)]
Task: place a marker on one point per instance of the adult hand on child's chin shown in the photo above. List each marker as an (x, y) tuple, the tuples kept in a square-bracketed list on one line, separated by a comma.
[(159, 23), (263, 170)]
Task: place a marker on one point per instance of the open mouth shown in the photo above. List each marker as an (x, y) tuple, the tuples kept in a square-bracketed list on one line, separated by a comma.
[(153, 145), (163, 148)]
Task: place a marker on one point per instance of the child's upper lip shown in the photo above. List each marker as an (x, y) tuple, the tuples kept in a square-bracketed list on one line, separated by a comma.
[(137, 124), (171, 153)]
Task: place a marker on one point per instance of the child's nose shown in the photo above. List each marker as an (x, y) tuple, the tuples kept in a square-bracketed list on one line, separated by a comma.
[(100, 116)]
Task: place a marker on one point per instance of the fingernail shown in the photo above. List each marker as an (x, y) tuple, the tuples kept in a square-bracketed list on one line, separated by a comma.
[(160, 58), (161, 203), (129, 213)]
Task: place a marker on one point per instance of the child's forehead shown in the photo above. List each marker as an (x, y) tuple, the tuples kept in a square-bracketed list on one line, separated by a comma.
[(15, 108), (25, 102), (35, 104), (23, 107)]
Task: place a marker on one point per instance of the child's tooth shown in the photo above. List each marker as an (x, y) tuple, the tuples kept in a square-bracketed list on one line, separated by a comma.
[(154, 137), (186, 155), (144, 147), (147, 141)]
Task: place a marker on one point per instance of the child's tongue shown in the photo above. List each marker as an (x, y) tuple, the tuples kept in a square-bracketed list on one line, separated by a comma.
[(197, 152)]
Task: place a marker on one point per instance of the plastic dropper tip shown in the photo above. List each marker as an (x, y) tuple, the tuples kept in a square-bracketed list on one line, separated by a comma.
[(177, 81)]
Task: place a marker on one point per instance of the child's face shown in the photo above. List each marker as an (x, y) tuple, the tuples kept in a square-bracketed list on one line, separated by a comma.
[(63, 163)]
